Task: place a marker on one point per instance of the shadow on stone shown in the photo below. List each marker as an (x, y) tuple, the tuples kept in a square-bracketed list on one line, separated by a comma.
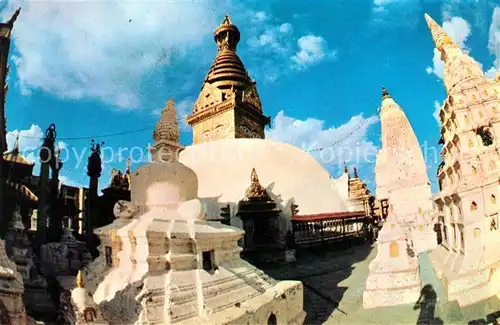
[(321, 272), (427, 305)]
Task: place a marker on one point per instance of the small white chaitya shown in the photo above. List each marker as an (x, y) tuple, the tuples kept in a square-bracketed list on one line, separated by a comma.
[(161, 262), (393, 277)]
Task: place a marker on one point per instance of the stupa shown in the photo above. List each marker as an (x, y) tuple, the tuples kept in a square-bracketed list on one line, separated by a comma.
[(393, 277), (161, 262), (467, 260), (401, 175)]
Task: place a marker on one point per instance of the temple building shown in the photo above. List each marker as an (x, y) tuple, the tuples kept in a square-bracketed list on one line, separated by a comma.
[(354, 191), (71, 196), (160, 261), (467, 259), (17, 171), (401, 175), (118, 189), (228, 106)]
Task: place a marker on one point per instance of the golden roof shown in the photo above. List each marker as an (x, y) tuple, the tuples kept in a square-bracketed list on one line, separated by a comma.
[(438, 34), (14, 156), (227, 70), (23, 190)]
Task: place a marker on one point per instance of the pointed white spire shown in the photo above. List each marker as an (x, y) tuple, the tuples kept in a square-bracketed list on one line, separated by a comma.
[(441, 39)]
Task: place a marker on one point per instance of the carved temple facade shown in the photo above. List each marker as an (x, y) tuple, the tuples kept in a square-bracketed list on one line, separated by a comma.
[(467, 259)]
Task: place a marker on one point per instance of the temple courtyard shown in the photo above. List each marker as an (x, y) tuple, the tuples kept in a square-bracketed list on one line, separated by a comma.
[(333, 292)]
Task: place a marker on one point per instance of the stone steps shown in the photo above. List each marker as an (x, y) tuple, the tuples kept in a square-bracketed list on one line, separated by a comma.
[(473, 295), (230, 298), (217, 296)]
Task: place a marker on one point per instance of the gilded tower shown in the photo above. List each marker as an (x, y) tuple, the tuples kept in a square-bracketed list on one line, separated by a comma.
[(228, 106), (468, 176)]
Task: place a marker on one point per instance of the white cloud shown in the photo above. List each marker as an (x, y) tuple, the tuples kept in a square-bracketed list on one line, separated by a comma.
[(285, 28), (68, 181), (271, 39), (311, 133), (312, 50), (62, 145), (494, 43), (381, 2), (103, 49), (437, 109), (260, 16), (379, 5), (280, 45), (459, 31), (29, 139), (183, 109)]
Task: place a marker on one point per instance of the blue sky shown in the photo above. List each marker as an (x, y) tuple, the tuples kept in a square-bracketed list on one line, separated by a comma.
[(97, 68)]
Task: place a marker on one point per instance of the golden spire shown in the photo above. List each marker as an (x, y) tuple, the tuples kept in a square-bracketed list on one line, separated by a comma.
[(355, 173), (346, 171), (385, 93), (227, 20), (80, 283), (227, 35), (438, 34)]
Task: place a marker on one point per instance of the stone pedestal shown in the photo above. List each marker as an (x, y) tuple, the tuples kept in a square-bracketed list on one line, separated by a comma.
[(470, 275), (393, 275)]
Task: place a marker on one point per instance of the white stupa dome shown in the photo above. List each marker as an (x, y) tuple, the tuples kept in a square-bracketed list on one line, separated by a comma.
[(223, 168)]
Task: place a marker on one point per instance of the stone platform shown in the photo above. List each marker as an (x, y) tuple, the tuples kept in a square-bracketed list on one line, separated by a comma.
[(340, 277)]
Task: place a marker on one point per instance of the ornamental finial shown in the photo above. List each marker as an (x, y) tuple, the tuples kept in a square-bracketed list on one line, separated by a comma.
[(385, 93), (13, 19), (80, 283)]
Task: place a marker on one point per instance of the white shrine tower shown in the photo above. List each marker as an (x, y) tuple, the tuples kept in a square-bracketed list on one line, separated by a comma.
[(401, 175), (467, 259)]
